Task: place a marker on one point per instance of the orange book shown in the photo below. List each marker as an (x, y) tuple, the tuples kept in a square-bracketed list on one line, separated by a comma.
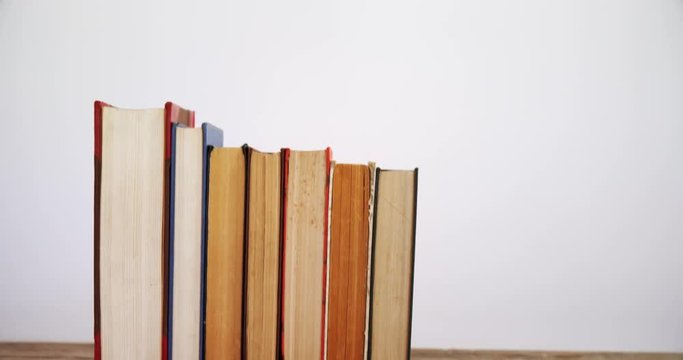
[(348, 262), (225, 253)]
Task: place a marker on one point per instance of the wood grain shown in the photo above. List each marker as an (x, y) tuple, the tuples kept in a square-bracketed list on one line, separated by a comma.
[(66, 351), (432, 354), (61, 351)]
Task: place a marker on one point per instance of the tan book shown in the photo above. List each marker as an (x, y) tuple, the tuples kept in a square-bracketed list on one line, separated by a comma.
[(225, 253), (348, 262), (306, 194), (393, 258), (263, 256)]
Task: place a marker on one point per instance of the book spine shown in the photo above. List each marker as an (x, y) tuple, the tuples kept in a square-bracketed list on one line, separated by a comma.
[(205, 207), (284, 158), (246, 150), (171, 221), (412, 266), (165, 234), (211, 137), (378, 171), (96, 225), (328, 164), (371, 216), (172, 114)]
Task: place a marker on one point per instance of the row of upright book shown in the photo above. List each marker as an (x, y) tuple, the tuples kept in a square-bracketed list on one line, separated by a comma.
[(209, 252)]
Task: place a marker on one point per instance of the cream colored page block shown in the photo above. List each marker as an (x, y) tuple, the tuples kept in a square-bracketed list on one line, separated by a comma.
[(392, 267), (131, 233), (304, 255), (263, 255), (187, 243)]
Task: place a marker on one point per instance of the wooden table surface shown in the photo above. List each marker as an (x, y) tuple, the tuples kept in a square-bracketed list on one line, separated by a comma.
[(55, 351)]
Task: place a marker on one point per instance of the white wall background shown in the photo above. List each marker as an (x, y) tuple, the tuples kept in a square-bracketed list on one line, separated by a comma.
[(549, 136)]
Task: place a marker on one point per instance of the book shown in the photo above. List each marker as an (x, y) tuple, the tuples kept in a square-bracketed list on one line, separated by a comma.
[(225, 253), (263, 256), (393, 259), (306, 201), (371, 219), (186, 241), (213, 138), (131, 208), (348, 262)]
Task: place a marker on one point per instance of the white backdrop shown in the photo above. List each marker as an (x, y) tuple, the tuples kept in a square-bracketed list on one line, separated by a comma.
[(549, 136)]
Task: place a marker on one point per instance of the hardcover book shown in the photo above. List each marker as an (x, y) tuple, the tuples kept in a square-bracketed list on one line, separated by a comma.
[(306, 201), (190, 148), (348, 262), (131, 213), (213, 138), (225, 253), (393, 259), (263, 255)]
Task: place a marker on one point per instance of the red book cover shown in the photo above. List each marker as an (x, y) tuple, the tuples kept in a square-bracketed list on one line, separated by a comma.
[(172, 114)]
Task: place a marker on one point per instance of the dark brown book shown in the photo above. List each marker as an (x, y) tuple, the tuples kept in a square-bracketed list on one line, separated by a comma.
[(348, 262), (393, 259), (131, 213)]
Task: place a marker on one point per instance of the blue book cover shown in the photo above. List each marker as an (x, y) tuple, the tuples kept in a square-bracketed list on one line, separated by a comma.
[(212, 137)]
